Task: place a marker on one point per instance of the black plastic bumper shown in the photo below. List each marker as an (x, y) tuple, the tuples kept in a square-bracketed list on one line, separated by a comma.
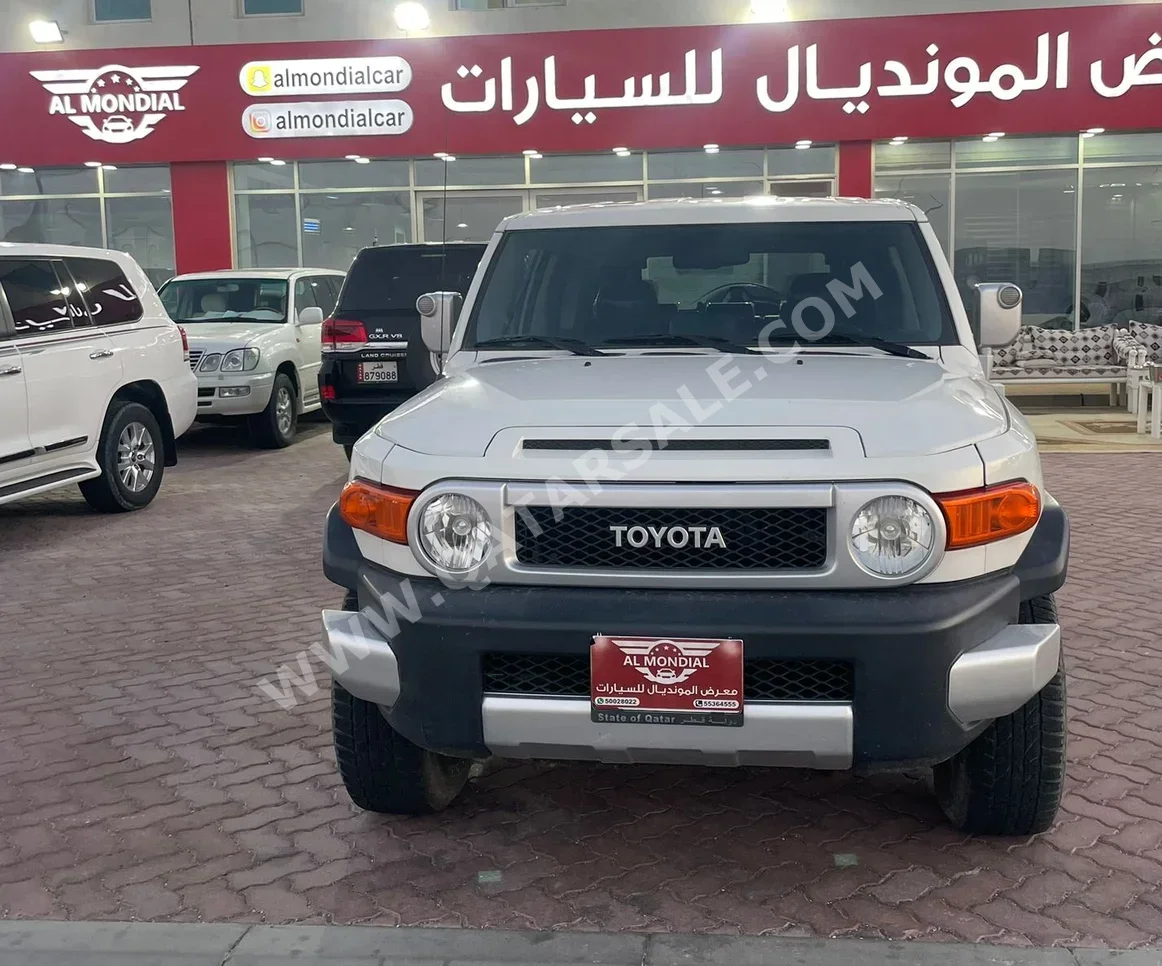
[(900, 642)]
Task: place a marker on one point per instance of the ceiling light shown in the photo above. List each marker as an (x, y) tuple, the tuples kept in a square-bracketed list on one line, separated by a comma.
[(440, 154), (711, 148), (265, 160), (530, 152), (92, 164), (1085, 135), (354, 157), (278, 163), (449, 158), (536, 157), (7, 167), (27, 170), (772, 11), (363, 160), (412, 16), (46, 32), (462, 225), (108, 167), (990, 139), (1096, 130), (899, 139), (996, 134)]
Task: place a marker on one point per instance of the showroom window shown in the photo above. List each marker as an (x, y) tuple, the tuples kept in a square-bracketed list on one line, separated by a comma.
[(259, 8), (502, 4), (321, 213), (1076, 221), (127, 209), (113, 11)]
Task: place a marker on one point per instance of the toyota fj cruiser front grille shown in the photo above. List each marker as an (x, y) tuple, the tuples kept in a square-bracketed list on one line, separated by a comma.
[(652, 538), (767, 679)]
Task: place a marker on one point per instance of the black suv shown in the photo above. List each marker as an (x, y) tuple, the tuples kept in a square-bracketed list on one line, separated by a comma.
[(373, 355)]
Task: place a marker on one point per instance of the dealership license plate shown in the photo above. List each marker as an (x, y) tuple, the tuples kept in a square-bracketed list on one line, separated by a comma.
[(378, 372), (666, 680)]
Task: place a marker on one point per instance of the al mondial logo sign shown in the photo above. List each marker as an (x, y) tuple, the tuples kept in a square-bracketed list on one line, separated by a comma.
[(115, 104), (320, 77)]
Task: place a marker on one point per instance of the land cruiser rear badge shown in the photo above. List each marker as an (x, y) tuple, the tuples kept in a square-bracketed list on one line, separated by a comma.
[(115, 104), (665, 662)]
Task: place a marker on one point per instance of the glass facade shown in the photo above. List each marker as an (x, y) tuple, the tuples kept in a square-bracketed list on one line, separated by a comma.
[(320, 213), (1075, 221), (127, 209)]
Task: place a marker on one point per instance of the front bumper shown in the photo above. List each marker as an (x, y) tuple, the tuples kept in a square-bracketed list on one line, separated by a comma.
[(234, 393), (932, 665)]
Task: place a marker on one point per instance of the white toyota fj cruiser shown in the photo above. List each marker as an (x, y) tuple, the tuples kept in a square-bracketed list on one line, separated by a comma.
[(716, 482)]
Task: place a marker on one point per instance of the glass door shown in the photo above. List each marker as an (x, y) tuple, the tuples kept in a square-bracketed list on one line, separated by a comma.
[(467, 215)]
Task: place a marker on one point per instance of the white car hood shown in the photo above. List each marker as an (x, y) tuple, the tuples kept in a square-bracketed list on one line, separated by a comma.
[(897, 406), (223, 336)]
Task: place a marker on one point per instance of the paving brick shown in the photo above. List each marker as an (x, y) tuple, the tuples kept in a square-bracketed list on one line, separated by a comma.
[(142, 775)]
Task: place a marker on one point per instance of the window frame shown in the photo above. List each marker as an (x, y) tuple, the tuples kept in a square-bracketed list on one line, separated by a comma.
[(242, 14), (101, 21)]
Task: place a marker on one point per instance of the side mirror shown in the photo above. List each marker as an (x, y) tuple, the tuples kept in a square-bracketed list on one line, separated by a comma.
[(311, 315), (438, 314), (999, 311)]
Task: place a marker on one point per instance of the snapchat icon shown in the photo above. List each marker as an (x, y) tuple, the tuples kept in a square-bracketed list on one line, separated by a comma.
[(258, 78)]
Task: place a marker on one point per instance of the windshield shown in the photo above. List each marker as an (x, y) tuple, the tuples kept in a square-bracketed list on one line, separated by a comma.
[(668, 285), (225, 299)]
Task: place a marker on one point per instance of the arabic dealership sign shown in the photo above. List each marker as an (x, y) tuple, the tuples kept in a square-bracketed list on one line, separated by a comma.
[(961, 75)]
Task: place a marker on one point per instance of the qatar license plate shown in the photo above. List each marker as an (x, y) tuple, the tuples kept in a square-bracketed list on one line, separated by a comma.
[(378, 372), (666, 680)]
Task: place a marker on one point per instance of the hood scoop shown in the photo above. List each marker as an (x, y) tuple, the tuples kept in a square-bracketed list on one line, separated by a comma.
[(674, 445)]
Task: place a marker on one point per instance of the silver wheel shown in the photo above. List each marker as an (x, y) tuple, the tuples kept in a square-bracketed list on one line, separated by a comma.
[(284, 411), (136, 457)]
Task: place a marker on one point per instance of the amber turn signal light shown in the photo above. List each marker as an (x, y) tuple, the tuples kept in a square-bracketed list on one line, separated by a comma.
[(378, 510), (983, 516)]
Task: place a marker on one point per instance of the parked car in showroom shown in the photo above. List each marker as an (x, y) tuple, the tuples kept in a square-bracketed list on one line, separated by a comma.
[(373, 356), (713, 482), (95, 383), (255, 339)]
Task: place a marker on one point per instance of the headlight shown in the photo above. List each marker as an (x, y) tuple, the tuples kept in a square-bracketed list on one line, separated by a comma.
[(210, 362), (893, 536), (455, 533), (240, 360)]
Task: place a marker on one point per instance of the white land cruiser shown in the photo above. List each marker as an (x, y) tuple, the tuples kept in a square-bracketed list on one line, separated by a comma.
[(255, 343), (716, 483), (95, 383)]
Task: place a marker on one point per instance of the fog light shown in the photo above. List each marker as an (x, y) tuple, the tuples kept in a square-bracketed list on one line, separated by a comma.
[(893, 536), (232, 392)]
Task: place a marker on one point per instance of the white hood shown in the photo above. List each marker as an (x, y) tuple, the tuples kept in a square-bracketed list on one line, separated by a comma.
[(897, 406), (224, 336)]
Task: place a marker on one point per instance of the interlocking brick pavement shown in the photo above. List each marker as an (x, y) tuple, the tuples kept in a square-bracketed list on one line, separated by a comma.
[(143, 777)]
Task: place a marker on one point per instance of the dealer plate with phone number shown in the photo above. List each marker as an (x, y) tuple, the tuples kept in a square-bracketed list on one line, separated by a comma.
[(378, 372), (663, 680)]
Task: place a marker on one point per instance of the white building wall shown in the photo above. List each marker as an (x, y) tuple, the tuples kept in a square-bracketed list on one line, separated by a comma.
[(182, 22)]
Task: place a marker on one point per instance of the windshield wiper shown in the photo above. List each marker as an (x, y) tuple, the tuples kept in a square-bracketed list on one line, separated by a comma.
[(871, 342), (703, 341), (576, 346)]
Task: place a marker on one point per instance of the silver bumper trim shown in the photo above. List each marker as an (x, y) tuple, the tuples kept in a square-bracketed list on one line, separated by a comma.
[(999, 676), (816, 736), (361, 660)]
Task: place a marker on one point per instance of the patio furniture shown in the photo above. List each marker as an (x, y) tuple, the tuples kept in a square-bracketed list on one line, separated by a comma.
[(1149, 350), (1054, 356), (1149, 401)]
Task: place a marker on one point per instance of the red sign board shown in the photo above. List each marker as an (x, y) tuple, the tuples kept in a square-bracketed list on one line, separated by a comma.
[(666, 680), (1021, 71)]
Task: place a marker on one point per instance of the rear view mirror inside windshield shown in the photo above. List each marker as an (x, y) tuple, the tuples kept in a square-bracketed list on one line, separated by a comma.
[(710, 259)]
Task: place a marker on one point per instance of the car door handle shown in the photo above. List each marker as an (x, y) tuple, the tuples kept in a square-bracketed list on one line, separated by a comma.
[(101, 354), (11, 371)]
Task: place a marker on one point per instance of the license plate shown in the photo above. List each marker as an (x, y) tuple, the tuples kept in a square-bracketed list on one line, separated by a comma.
[(666, 680), (378, 372)]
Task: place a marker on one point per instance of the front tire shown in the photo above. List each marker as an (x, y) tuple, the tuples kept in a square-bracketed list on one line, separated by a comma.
[(383, 771), (131, 459), (1010, 780), (276, 425)]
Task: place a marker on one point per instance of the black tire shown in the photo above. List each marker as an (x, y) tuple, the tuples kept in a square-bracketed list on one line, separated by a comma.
[(347, 448), (143, 445), (275, 426), (1009, 781), (383, 771)]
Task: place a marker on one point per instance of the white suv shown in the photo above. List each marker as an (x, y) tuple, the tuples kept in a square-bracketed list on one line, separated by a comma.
[(95, 384), (255, 343)]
